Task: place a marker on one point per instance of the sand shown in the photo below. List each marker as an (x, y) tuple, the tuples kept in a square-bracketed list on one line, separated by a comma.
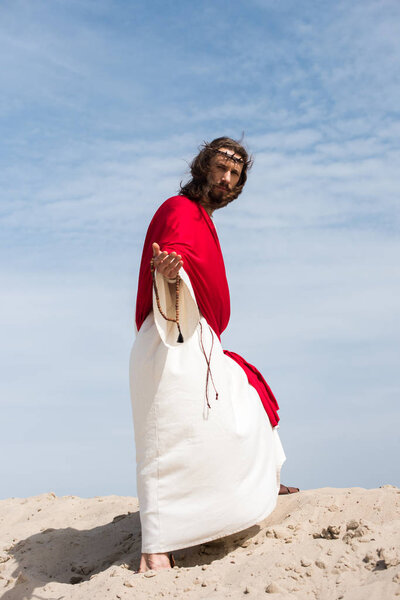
[(322, 544)]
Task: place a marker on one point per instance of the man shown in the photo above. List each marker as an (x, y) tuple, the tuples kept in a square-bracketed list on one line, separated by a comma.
[(207, 447)]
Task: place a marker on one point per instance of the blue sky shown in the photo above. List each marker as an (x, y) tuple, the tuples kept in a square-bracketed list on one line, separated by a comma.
[(103, 104)]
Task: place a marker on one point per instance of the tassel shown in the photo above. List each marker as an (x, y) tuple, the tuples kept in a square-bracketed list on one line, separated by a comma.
[(180, 336)]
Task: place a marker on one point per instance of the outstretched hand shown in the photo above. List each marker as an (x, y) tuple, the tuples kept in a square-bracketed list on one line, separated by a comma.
[(166, 264)]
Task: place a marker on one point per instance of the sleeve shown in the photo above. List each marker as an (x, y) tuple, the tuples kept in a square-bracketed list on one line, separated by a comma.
[(189, 314)]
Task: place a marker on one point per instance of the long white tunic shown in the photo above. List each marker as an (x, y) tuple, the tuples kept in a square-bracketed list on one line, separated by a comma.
[(202, 473)]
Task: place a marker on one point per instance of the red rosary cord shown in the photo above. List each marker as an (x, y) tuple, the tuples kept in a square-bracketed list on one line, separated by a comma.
[(208, 361)]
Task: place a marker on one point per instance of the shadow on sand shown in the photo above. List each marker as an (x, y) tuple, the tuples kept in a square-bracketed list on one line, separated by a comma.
[(73, 556)]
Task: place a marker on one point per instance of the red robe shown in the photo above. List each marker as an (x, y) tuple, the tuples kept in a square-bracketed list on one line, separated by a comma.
[(185, 227)]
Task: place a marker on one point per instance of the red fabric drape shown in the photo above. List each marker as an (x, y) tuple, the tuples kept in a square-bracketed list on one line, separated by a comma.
[(258, 382), (185, 227)]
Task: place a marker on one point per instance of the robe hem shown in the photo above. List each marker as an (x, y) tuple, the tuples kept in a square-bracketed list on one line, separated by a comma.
[(226, 533)]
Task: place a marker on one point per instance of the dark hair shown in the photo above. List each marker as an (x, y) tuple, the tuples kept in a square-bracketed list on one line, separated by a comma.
[(197, 188)]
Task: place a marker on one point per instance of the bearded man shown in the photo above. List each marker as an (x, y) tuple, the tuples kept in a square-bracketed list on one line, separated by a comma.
[(208, 451)]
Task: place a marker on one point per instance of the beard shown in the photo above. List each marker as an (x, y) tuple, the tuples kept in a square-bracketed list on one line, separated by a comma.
[(211, 196), (217, 196)]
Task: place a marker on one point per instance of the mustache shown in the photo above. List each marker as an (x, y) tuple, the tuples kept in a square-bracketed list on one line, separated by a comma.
[(216, 198)]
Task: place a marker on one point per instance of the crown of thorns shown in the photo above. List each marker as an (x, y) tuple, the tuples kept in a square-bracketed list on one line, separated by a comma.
[(226, 154)]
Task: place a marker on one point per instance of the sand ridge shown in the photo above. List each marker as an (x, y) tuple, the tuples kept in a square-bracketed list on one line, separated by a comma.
[(323, 544)]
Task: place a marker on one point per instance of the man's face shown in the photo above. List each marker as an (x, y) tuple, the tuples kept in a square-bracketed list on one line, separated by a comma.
[(223, 175)]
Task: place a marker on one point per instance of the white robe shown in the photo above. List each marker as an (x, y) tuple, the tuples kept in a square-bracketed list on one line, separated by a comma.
[(202, 473)]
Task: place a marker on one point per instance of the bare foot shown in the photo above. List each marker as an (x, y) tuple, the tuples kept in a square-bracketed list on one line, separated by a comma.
[(156, 562)]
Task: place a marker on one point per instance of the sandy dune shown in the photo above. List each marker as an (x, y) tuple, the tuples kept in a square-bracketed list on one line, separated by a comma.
[(328, 544)]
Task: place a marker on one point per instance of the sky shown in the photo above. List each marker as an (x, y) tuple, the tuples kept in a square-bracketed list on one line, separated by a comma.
[(103, 104)]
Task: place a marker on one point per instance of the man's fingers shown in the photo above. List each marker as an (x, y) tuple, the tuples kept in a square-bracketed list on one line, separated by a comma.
[(160, 258), (166, 264), (156, 249), (173, 272), (162, 264), (169, 260), (175, 263)]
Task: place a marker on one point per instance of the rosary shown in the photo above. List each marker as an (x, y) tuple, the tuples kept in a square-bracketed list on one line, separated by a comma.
[(177, 286), (176, 320)]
